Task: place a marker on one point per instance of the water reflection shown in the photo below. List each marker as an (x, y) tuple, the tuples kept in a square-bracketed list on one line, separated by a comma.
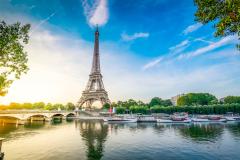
[(5, 129), (234, 128), (34, 125), (94, 133), (202, 132)]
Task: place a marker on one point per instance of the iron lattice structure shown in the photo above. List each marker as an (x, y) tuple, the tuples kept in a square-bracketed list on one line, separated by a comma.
[(95, 90)]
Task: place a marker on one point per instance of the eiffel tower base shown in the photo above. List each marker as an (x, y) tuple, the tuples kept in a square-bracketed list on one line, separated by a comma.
[(89, 98)]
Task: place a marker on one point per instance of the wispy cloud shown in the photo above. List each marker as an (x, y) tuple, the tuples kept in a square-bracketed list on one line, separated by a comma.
[(126, 37), (152, 63), (41, 23), (97, 13), (179, 47), (203, 40), (192, 28), (172, 51), (210, 47)]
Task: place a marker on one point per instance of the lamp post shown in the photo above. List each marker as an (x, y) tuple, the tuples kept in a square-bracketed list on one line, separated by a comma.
[(1, 154)]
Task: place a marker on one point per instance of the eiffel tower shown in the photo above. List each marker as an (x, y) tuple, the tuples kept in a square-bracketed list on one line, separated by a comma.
[(95, 89)]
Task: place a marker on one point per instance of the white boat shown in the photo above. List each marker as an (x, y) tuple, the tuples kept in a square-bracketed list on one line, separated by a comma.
[(200, 120), (175, 118), (231, 117), (187, 120), (120, 119), (216, 118), (145, 118)]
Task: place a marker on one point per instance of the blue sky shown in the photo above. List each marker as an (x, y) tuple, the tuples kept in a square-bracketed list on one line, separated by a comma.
[(148, 48)]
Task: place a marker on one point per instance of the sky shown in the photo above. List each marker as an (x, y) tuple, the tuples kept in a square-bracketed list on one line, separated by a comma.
[(148, 48)]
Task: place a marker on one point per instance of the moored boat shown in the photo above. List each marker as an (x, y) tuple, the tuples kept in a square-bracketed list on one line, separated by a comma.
[(216, 118), (145, 118), (187, 120), (175, 118), (209, 118), (120, 119), (231, 117), (200, 120)]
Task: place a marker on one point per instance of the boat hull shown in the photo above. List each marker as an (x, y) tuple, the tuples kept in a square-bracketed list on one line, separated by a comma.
[(112, 120), (172, 121)]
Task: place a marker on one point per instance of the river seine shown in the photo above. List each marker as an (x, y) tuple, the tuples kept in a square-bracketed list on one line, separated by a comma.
[(94, 140)]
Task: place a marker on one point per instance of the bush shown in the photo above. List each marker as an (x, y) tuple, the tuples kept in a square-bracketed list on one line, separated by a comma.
[(205, 109), (120, 110)]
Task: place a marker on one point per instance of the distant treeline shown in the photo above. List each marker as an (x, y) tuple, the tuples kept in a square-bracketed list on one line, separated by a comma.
[(38, 105), (193, 103), (206, 109)]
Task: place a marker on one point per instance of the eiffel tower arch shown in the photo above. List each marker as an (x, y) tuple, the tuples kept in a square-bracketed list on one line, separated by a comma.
[(94, 90)]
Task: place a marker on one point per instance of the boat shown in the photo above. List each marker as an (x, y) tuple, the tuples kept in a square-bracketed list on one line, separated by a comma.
[(145, 118), (232, 117), (175, 118), (209, 118), (216, 118), (188, 120), (200, 120), (120, 119)]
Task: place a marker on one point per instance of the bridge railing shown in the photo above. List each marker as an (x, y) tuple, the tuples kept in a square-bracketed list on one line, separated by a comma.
[(32, 111)]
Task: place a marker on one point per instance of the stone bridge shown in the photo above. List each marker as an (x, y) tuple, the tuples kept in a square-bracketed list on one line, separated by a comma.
[(23, 115)]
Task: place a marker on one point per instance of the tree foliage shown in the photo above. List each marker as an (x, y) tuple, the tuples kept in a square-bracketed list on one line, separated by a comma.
[(196, 99), (232, 99), (158, 101), (106, 106), (70, 106), (225, 14), (13, 59)]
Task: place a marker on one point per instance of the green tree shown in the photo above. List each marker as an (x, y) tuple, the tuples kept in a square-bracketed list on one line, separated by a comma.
[(38, 105), (224, 13), (196, 99), (13, 59), (48, 106), (106, 106), (58, 106), (27, 106), (232, 99), (70, 106), (158, 101), (155, 101)]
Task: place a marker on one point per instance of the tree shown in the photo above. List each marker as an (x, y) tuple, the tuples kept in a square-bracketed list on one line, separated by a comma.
[(70, 106), (48, 106), (225, 14), (155, 101), (167, 102), (106, 106), (58, 106), (38, 105), (196, 99), (232, 99), (13, 59), (158, 101)]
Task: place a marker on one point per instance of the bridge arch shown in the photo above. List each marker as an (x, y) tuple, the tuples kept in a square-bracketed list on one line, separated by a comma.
[(57, 114), (37, 117), (10, 119)]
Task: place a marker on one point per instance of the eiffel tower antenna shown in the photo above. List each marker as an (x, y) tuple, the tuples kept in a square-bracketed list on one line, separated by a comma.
[(95, 90)]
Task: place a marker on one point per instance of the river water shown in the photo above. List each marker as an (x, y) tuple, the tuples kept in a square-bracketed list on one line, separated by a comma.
[(94, 140)]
